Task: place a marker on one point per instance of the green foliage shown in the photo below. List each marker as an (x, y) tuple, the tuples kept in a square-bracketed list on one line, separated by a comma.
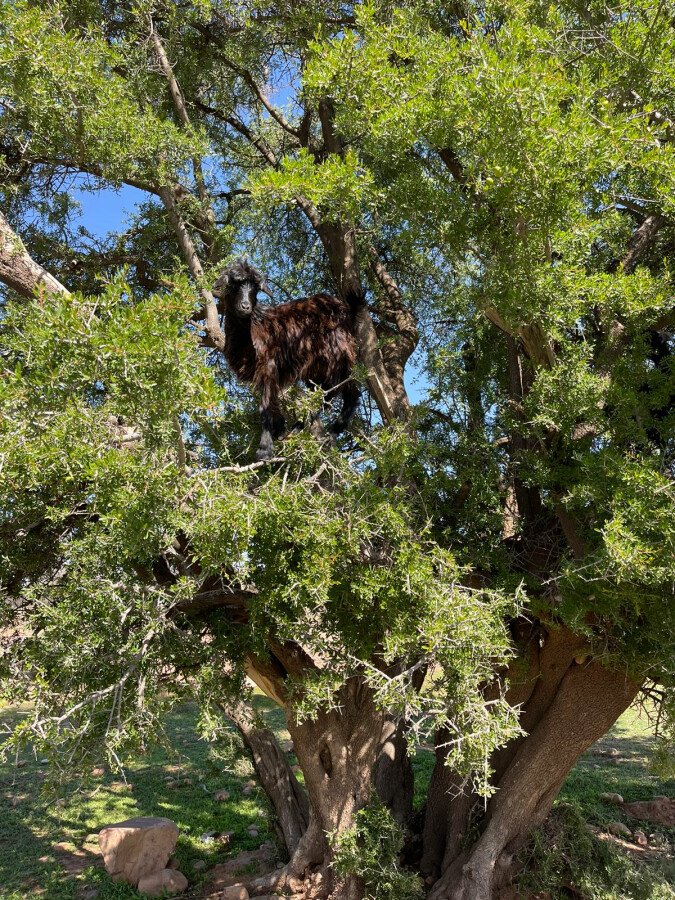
[(498, 158), (370, 850), (565, 852)]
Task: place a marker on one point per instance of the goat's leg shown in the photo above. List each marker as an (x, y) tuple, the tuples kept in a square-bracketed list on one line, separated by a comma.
[(273, 422), (350, 399)]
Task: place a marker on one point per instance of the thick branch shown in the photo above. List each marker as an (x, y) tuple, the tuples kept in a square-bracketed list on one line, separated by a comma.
[(181, 110), (641, 240), (397, 351), (19, 270)]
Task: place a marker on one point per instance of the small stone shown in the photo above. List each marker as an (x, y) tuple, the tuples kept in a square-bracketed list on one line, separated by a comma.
[(252, 783), (253, 831), (609, 797), (641, 838), (208, 837), (612, 752), (187, 782), (619, 830), (234, 892), (247, 790), (97, 772), (287, 746), (225, 836), (221, 796), (166, 881), (44, 762), (173, 863), (170, 783), (21, 763), (91, 894), (199, 865)]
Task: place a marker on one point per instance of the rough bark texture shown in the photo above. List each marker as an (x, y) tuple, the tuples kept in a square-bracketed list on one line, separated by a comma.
[(574, 701), (276, 776), (337, 751)]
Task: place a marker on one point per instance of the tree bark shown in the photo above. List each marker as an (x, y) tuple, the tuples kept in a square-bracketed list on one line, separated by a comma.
[(337, 750), (574, 702), (276, 776), (19, 271)]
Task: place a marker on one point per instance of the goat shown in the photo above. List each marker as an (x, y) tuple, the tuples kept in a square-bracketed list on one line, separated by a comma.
[(311, 340)]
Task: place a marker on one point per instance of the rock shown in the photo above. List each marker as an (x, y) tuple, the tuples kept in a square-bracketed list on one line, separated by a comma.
[(221, 796), (619, 830), (609, 797), (234, 892), (199, 865), (253, 831), (165, 882), (640, 838), (91, 894), (173, 863), (287, 746), (660, 810), (247, 790), (137, 847), (612, 752), (97, 772), (21, 763)]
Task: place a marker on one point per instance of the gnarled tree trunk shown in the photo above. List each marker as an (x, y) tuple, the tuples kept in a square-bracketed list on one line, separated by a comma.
[(572, 701)]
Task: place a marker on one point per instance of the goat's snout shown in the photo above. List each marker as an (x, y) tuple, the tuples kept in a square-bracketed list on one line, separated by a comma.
[(244, 301)]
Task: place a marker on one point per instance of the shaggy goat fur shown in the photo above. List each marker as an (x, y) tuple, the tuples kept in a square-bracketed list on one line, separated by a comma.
[(311, 340)]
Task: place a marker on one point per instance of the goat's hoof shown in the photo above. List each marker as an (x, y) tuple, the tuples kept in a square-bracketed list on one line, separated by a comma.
[(263, 455)]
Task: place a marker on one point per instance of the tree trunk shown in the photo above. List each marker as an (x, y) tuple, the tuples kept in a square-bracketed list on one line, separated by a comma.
[(337, 750), (276, 776), (393, 774), (574, 702)]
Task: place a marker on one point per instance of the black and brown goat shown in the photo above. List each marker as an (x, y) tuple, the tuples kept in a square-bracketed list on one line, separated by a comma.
[(311, 340)]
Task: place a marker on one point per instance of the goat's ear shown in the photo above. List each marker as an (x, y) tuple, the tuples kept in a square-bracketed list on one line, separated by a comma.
[(220, 284)]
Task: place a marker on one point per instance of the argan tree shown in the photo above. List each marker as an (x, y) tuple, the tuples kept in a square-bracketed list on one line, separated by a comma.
[(491, 567)]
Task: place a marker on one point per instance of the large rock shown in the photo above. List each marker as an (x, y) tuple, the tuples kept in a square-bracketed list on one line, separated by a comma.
[(660, 810), (167, 882), (138, 847)]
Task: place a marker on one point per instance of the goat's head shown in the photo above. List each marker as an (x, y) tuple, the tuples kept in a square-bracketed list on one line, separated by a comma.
[(238, 288)]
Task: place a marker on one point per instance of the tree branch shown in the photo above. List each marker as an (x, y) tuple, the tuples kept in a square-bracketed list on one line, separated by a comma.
[(19, 270), (641, 240), (215, 337)]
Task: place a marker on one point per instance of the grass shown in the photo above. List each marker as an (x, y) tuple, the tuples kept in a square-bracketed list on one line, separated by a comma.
[(48, 846)]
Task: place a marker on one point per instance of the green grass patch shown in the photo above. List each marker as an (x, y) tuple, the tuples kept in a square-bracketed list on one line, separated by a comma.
[(48, 846)]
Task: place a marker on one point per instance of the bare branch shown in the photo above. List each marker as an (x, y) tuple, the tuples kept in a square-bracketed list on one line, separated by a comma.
[(641, 240)]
